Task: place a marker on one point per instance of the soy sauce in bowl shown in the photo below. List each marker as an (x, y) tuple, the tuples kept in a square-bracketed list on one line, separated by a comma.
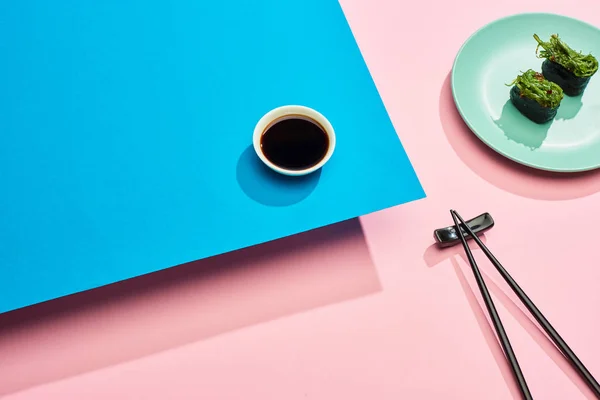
[(295, 142)]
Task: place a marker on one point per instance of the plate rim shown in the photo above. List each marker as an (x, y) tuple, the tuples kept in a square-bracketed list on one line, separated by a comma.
[(466, 119)]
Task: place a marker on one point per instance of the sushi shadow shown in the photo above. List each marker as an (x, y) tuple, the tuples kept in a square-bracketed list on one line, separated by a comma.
[(569, 107), (511, 123), (504, 173)]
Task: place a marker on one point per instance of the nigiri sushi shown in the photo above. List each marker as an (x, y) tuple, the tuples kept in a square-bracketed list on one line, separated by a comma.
[(536, 97), (564, 66)]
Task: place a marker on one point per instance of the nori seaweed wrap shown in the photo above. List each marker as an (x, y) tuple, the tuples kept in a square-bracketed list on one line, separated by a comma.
[(536, 97), (564, 66)]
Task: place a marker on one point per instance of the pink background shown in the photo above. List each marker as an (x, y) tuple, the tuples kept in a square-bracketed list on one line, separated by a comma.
[(366, 309)]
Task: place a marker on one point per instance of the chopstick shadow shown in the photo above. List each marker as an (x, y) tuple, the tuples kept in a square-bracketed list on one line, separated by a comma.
[(434, 256), (184, 304), (539, 336)]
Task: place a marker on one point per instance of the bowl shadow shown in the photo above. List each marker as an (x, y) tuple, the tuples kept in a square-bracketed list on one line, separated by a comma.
[(267, 187), (504, 173)]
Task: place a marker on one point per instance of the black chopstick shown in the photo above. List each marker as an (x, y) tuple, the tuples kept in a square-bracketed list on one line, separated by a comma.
[(508, 350), (558, 341)]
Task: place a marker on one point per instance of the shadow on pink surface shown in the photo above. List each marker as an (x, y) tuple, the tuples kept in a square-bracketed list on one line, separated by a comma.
[(504, 173), (434, 256), (170, 308)]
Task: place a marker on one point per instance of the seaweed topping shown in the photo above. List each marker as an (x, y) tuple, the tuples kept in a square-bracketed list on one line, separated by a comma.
[(559, 52), (533, 85)]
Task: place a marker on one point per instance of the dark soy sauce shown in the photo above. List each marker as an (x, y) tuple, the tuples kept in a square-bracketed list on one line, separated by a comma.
[(295, 142)]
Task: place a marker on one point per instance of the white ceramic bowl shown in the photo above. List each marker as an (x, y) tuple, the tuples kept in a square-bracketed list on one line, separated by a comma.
[(280, 112)]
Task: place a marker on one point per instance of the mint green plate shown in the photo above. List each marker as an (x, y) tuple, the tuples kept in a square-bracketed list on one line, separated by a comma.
[(491, 58)]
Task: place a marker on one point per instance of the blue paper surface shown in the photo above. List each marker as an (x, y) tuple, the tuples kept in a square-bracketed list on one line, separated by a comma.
[(126, 130)]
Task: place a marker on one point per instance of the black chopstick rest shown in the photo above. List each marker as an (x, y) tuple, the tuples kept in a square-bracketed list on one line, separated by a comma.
[(447, 237)]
